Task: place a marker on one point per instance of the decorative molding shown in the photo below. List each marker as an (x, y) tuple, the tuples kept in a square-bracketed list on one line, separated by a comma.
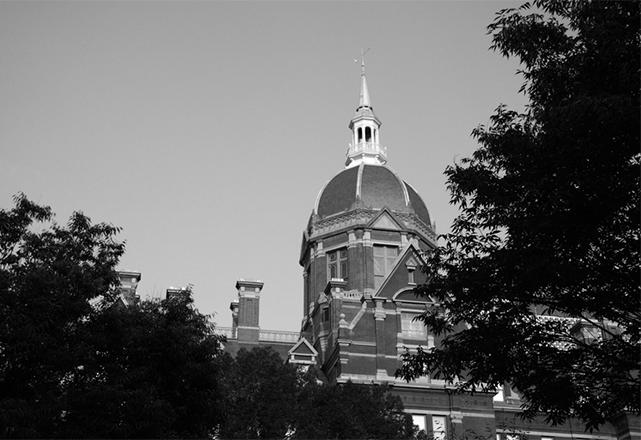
[(362, 217)]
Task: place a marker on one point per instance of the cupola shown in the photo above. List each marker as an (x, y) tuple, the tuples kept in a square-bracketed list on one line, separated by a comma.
[(365, 126)]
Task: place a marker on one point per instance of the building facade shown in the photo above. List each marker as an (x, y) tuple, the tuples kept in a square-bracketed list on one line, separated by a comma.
[(361, 253)]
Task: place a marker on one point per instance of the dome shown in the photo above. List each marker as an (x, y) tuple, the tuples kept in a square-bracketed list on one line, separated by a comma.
[(369, 186)]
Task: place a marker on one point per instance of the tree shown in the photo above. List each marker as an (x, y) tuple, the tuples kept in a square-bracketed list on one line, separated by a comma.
[(47, 280), (153, 372), (75, 364), (259, 395), (351, 411), (537, 284), (266, 398)]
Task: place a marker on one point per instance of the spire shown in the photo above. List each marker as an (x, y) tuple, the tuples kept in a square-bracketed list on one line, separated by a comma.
[(365, 146), (364, 100)]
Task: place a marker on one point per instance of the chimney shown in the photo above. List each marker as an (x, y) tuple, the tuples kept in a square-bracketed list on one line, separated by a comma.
[(234, 318), (246, 321), (128, 284)]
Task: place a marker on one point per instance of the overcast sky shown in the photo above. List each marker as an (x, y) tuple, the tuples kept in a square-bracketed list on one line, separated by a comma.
[(206, 129)]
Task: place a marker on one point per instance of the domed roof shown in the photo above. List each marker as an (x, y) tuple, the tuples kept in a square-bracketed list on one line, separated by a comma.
[(371, 187)]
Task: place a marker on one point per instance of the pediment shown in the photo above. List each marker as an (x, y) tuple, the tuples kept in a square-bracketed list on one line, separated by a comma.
[(303, 348), (385, 220)]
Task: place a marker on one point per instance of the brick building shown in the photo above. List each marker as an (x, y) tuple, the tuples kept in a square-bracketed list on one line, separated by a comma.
[(361, 253)]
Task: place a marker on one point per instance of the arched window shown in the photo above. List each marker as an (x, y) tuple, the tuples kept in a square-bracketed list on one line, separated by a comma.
[(360, 134), (368, 134)]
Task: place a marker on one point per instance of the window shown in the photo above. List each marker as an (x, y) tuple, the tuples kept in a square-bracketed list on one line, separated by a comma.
[(412, 329), (326, 314), (419, 422), (337, 264), (439, 429), (384, 257), (410, 275)]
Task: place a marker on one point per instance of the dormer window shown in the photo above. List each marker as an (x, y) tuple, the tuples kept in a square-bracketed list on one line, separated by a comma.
[(410, 275)]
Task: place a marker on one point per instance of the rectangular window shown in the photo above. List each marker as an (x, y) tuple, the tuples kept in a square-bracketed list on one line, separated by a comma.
[(384, 258), (419, 422), (326, 314), (412, 329), (439, 429), (337, 266)]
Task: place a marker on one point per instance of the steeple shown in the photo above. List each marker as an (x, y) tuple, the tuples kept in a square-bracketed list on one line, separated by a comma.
[(365, 146), (364, 98)]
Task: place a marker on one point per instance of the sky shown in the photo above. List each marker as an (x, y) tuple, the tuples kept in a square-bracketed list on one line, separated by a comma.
[(206, 129)]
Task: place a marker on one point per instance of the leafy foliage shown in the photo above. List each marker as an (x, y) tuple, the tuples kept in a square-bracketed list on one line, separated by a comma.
[(47, 280), (266, 398), (549, 223), (351, 411), (153, 372), (260, 395), (73, 364)]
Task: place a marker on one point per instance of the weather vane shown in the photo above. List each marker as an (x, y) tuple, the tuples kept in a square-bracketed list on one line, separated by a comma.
[(363, 52)]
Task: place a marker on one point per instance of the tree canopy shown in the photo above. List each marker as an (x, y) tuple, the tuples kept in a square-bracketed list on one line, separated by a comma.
[(47, 280), (152, 372), (72, 364), (266, 398), (537, 284), (351, 411), (259, 395)]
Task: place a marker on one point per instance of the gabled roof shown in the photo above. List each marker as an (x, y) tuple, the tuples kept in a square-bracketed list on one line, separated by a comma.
[(411, 256), (303, 347), (302, 353), (385, 220)]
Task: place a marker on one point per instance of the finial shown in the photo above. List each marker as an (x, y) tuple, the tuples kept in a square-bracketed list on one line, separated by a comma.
[(363, 52), (364, 100)]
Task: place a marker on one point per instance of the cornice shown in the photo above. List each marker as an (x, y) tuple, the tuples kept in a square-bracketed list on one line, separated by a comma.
[(360, 217)]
